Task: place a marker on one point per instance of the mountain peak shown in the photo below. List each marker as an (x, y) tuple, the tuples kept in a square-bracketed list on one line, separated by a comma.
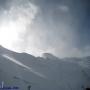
[(49, 56)]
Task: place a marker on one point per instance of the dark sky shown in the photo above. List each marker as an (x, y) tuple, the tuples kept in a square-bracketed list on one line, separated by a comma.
[(77, 17), (61, 27)]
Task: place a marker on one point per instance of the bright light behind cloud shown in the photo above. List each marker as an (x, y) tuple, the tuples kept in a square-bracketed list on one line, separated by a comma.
[(14, 22), (43, 26), (8, 34)]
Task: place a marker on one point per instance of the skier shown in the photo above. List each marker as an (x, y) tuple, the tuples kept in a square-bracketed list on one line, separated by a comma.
[(29, 87)]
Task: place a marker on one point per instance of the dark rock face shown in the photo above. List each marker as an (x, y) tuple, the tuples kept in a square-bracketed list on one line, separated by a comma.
[(87, 89)]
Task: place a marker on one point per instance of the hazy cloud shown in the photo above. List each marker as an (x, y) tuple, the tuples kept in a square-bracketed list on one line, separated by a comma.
[(60, 27)]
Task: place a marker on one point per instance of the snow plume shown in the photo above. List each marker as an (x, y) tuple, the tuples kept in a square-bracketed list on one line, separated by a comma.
[(46, 26), (15, 19)]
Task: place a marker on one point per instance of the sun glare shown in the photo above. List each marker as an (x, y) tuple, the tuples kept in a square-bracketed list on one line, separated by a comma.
[(8, 34), (14, 22)]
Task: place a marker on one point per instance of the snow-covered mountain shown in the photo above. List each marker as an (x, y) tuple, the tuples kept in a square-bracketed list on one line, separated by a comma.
[(43, 73)]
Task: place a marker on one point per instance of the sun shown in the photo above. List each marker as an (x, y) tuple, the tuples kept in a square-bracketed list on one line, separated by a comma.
[(15, 22), (9, 33)]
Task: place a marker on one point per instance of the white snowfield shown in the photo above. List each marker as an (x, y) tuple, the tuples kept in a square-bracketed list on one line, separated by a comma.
[(43, 73)]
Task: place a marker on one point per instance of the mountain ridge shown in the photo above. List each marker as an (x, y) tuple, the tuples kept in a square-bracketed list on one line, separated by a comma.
[(43, 73)]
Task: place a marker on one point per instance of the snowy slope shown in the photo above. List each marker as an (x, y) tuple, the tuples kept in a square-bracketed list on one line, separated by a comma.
[(43, 73)]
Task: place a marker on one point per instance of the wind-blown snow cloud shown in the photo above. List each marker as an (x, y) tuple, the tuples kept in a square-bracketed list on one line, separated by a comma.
[(54, 26), (58, 28), (14, 22)]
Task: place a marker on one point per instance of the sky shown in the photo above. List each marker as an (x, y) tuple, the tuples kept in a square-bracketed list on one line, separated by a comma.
[(60, 27)]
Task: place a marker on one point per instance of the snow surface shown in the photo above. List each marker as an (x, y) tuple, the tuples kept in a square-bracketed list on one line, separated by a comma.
[(44, 73)]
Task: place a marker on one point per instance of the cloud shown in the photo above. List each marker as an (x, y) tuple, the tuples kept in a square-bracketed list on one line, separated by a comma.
[(70, 52), (3, 3), (14, 23), (57, 29), (63, 8), (53, 26)]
